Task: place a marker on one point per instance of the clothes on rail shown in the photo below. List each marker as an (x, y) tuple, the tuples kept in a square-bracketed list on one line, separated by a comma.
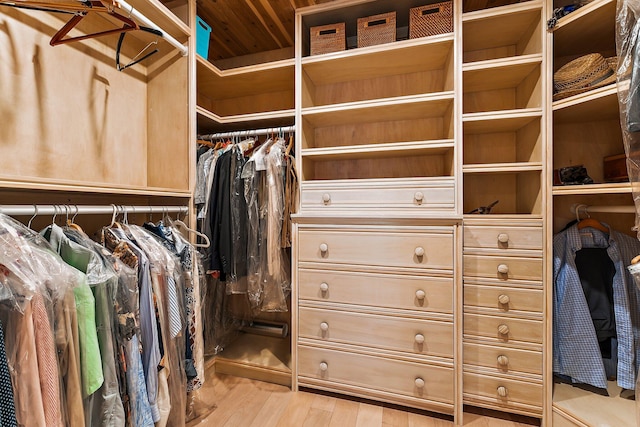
[(99, 334), (596, 307), (241, 203), (245, 198)]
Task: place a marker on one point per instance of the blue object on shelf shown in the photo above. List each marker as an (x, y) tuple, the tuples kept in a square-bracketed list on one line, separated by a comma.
[(203, 30)]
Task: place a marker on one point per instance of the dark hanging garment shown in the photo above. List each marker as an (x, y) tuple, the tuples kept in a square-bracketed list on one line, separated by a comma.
[(7, 404)]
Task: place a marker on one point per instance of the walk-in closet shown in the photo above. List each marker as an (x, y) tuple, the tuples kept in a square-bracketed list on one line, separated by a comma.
[(341, 213)]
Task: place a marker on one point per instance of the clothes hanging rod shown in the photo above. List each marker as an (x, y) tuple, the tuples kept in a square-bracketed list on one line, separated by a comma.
[(140, 17), (602, 209), (265, 131), (17, 210)]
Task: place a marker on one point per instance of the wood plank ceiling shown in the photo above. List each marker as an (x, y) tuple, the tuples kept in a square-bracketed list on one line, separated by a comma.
[(243, 27)]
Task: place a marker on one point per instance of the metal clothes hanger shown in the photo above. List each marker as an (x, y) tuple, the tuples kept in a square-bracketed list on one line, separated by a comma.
[(137, 59), (35, 209)]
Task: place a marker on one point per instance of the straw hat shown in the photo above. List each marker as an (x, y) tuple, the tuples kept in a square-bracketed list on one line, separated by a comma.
[(583, 74)]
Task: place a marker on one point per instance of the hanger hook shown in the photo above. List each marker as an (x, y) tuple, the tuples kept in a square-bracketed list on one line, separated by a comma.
[(35, 214), (55, 214), (113, 216), (67, 210), (73, 218)]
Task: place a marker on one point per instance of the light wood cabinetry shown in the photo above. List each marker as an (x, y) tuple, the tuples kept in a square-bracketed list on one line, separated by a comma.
[(503, 142), (377, 234), (75, 130), (586, 128)]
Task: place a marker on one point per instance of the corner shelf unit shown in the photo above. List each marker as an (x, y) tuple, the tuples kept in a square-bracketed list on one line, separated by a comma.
[(586, 128), (252, 96)]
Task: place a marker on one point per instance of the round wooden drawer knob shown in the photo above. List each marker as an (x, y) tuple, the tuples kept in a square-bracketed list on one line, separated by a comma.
[(324, 326), (419, 196), (419, 382), (503, 269), (420, 294), (504, 299), (502, 391), (324, 247), (326, 198), (324, 287), (419, 338), (503, 329), (419, 251), (324, 366), (503, 360), (503, 238)]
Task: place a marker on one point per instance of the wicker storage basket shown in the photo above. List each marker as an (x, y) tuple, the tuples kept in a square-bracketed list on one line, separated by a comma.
[(377, 29), (328, 38), (432, 19)]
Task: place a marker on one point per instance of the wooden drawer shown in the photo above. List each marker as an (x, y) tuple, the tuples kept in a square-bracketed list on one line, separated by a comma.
[(413, 249), (502, 392), (418, 380), (503, 329), (505, 238), (503, 359), (503, 268), (504, 299), (386, 332), (389, 195), (433, 294)]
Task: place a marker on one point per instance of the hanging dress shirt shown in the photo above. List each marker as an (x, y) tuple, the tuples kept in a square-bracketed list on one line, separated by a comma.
[(576, 352)]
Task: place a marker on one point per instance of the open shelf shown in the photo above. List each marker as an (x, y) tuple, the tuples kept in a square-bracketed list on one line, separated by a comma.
[(502, 167), (596, 104), (395, 164), (208, 122), (501, 33), (390, 109), (502, 84), (410, 67), (331, 13), (396, 149), (587, 30), (610, 188), (257, 357), (587, 143), (587, 407), (496, 139), (247, 90), (518, 192)]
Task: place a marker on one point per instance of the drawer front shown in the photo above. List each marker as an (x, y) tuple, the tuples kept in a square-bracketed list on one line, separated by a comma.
[(406, 250), (418, 380), (503, 329), (504, 299), (432, 294), (503, 359), (502, 391), (503, 268), (526, 238), (435, 195), (386, 332)]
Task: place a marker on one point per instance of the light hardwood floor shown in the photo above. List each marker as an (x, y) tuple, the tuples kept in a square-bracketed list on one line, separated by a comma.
[(241, 402)]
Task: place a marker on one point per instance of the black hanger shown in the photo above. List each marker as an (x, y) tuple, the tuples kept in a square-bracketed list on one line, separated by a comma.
[(120, 67)]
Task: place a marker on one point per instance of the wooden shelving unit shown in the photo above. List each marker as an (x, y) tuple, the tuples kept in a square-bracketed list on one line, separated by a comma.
[(588, 123)]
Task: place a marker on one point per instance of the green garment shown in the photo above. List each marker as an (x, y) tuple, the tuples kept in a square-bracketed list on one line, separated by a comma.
[(81, 258)]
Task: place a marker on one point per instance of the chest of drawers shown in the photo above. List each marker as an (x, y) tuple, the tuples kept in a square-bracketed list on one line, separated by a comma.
[(375, 312), (503, 328)]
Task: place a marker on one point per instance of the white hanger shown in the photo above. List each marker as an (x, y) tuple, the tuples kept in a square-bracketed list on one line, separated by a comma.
[(180, 224)]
